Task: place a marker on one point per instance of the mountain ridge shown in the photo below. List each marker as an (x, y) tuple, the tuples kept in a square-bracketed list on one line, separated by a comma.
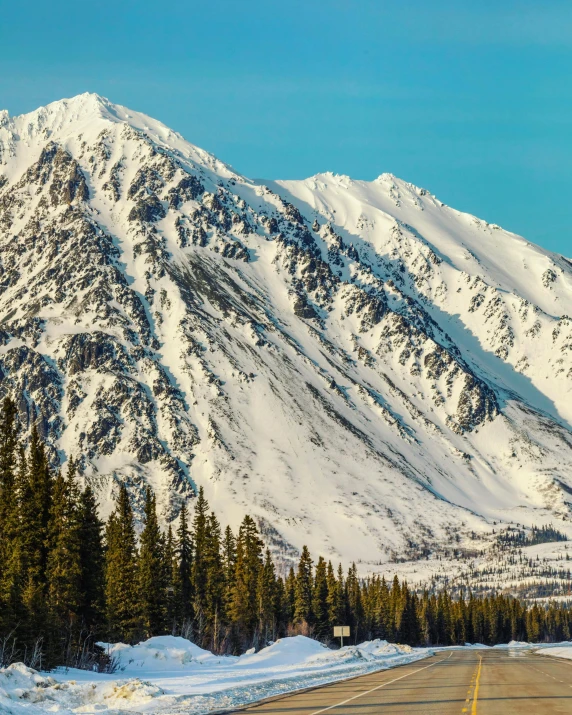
[(360, 366)]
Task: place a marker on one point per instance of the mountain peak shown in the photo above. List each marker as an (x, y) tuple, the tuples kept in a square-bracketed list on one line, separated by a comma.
[(319, 347)]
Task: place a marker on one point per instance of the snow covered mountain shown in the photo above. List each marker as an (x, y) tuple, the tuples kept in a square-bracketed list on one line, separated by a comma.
[(359, 366)]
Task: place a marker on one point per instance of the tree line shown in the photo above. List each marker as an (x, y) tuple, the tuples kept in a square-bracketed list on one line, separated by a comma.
[(68, 580)]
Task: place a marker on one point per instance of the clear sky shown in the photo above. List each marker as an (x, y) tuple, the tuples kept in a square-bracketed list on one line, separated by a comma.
[(471, 100)]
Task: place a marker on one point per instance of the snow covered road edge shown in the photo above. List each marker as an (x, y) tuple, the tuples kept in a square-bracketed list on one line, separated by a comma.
[(168, 675)]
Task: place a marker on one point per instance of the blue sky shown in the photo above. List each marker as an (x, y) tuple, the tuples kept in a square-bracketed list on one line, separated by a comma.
[(472, 100)]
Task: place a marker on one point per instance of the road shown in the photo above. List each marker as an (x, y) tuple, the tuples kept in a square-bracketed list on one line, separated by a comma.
[(488, 682)]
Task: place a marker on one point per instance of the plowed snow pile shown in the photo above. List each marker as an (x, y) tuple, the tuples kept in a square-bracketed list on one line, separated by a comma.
[(561, 650), (172, 675)]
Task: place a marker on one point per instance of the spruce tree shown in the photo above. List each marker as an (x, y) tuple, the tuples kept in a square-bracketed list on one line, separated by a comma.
[(170, 578), (63, 569), (183, 574), (10, 552), (215, 602), (386, 623), (34, 496), (150, 572), (320, 601), (92, 560), (332, 597), (290, 594), (229, 563), (199, 565), (268, 600), (303, 593), (243, 606), (121, 599), (8, 459), (354, 604)]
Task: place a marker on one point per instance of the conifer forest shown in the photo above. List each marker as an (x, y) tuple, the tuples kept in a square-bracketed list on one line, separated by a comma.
[(68, 580)]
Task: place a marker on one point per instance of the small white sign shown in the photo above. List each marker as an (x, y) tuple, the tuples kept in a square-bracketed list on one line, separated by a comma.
[(341, 631)]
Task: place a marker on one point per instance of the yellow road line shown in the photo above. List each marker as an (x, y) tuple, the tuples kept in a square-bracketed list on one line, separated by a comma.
[(474, 708)]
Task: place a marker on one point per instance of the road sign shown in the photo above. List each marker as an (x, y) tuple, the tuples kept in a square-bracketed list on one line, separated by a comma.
[(340, 632)]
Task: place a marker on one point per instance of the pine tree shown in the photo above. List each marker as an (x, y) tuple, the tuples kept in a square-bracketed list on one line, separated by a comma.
[(121, 596), (337, 610), (63, 570), (8, 452), (290, 594), (268, 600), (170, 578), (354, 603), (92, 561), (409, 631), (303, 593), (10, 552), (332, 597), (199, 565), (35, 506), (215, 605), (35, 498), (229, 563), (320, 601), (151, 575), (386, 623), (244, 606), (183, 595)]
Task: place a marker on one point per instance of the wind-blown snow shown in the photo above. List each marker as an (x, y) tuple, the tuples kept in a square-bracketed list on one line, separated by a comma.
[(359, 366)]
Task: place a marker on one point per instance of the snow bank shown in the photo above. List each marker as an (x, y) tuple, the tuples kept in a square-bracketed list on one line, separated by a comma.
[(157, 654), (167, 674), (558, 651)]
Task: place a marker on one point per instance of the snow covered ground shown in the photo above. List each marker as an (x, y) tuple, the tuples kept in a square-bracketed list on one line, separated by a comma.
[(169, 675), (559, 650)]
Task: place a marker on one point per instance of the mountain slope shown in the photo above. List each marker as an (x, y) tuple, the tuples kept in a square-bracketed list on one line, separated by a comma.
[(359, 366)]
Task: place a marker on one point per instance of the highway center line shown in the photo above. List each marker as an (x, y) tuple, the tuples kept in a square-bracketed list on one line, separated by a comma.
[(378, 687), (476, 695)]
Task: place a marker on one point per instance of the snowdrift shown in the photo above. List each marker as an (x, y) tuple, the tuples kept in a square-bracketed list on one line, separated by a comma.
[(166, 673)]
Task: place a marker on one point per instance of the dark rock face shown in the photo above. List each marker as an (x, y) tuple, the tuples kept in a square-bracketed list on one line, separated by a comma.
[(147, 210)]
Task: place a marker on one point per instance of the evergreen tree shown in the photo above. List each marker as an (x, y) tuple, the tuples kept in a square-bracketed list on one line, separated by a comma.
[(199, 564), (244, 606), (215, 602), (332, 597), (409, 631), (303, 592), (10, 552), (355, 613), (121, 596), (183, 593), (170, 578), (151, 574), (92, 561), (290, 594), (386, 622), (35, 501), (8, 453), (229, 564), (63, 570), (320, 601), (268, 600)]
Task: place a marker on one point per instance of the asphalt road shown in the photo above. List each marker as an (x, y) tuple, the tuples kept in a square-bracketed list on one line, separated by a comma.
[(449, 683)]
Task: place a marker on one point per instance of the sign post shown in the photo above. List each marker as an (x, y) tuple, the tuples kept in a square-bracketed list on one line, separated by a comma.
[(340, 632)]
